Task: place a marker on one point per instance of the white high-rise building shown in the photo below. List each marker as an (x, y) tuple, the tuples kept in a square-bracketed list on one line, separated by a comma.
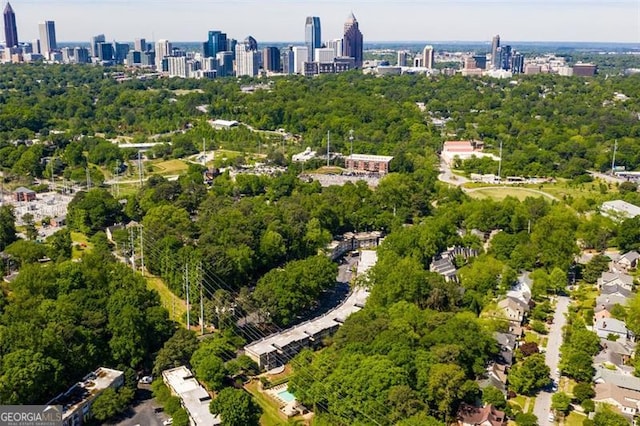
[(300, 56), (47, 37), (336, 45), (178, 66), (428, 56), (247, 60), (163, 50), (324, 54)]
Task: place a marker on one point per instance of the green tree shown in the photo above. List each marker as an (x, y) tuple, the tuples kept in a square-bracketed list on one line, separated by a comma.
[(7, 226), (606, 417), (61, 245), (209, 369), (492, 395), (30, 228), (236, 408), (28, 377), (526, 419), (176, 351), (583, 391), (561, 402), (529, 375), (92, 211)]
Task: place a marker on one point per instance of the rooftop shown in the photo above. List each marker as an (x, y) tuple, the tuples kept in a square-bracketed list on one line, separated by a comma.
[(195, 398), (611, 325), (621, 207), (625, 381), (367, 157), (89, 387)]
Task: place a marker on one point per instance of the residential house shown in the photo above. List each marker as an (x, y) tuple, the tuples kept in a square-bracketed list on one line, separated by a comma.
[(606, 327), (609, 300), (615, 283), (626, 400), (624, 381), (628, 261), (496, 376), (522, 290), (616, 353), (507, 344), (514, 309), (468, 415), (601, 312), (58, 221), (444, 263)]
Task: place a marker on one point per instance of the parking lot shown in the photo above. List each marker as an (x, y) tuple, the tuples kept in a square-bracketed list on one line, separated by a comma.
[(143, 411)]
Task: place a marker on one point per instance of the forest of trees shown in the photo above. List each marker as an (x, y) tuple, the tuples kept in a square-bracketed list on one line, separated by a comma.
[(412, 355)]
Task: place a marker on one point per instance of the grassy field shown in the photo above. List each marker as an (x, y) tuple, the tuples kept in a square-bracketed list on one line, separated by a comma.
[(270, 409), (170, 167), (524, 402), (174, 305), (328, 171), (500, 193), (79, 244)]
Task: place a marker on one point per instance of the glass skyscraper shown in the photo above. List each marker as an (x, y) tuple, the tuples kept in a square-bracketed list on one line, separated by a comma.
[(10, 28), (217, 42), (312, 35), (352, 41)]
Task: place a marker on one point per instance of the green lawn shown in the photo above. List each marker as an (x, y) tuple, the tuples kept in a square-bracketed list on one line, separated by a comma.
[(172, 303), (80, 244), (522, 401), (574, 419), (170, 167)]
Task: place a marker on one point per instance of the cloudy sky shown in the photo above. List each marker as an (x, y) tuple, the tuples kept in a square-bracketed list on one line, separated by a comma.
[(380, 20)]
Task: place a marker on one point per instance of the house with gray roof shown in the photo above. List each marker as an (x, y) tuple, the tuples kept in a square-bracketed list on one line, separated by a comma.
[(628, 261), (606, 327), (616, 353), (625, 381), (625, 400)]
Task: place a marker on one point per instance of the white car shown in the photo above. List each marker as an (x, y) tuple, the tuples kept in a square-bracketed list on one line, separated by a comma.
[(551, 417), (146, 380), (168, 422)]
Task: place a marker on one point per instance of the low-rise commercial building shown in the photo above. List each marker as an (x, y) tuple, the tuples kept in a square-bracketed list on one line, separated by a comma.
[(364, 163), (619, 210)]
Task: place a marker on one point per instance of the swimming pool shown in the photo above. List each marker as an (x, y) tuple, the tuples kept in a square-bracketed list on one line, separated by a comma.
[(286, 396)]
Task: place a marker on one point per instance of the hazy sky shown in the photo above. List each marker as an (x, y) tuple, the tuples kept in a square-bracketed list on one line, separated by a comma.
[(283, 20)]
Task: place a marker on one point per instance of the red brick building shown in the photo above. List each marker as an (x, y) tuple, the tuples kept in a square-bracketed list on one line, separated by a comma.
[(24, 194), (363, 163)]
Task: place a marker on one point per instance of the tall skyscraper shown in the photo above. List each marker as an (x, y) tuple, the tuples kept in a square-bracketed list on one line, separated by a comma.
[(105, 52), (35, 46), (216, 42), (312, 35), (495, 57), (247, 58), (352, 41), (428, 57), (271, 59), (505, 57), (140, 45), (300, 56), (10, 28), (95, 40), (163, 50), (47, 37), (120, 52), (80, 55), (324, 55), (288, 60)]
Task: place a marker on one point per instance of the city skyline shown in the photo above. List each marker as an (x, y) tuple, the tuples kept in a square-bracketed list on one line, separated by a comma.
[(462, 20)]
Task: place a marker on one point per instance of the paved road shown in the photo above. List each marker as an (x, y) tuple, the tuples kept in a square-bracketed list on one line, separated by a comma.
[(447, 176), (606, 177), (542, 406)]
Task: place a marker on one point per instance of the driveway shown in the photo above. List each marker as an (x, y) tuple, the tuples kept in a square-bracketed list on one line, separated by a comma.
[(542, 406)]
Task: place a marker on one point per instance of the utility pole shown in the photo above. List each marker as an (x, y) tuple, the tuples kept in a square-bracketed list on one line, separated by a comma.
[(141, 251), (186, 285), (351, 140), (116, 188), (140, 169), (204, 154), (613, 160), (328, 146), (500, 163), (201, 277), (88, 179), (133, 249)]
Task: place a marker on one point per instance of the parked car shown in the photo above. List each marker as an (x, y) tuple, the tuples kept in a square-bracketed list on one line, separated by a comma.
[(168, 422), (146, 380)]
